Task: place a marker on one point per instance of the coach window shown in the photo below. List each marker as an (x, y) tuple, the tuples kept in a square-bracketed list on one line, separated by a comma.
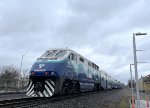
[(81, 59)]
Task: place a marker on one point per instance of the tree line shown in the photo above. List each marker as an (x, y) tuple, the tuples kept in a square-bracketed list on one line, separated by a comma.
[(11, 72), (12, 78)]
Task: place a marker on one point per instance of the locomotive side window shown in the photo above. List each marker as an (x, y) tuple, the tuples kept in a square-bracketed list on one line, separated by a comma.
[(69, 56), (97, 67), (81, 59), (72, 57), (93, 65), (60, 53), (89, 64)]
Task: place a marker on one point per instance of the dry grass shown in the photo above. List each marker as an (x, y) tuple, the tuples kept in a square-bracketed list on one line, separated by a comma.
[(124, 102)]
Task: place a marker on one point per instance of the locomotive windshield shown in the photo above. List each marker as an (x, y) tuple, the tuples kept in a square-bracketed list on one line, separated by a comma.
[(49, 53), (60, 54), (52, 54)]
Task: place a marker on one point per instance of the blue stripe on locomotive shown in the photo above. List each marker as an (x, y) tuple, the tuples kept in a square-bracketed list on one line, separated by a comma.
[(58, 67)]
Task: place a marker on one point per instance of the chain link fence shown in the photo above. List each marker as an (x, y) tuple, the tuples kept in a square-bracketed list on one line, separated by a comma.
[(8, 85)]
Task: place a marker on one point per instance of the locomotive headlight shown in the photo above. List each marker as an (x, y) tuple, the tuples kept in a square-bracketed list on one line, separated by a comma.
[(46, 73), (32, 73), (52, 73)]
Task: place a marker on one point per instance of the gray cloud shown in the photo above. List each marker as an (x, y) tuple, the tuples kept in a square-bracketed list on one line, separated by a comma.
[(100, 30)]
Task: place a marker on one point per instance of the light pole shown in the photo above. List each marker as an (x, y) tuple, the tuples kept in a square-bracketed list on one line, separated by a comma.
[(21, 73), (131, 79), (135, 66), (21, 64)]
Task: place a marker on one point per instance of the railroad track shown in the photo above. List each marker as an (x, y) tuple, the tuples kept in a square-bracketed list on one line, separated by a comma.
[(33, 102), (12, 95), (18, 103), (8, 93)]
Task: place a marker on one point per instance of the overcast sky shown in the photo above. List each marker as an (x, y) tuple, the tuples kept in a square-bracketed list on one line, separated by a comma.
[(100, 30)]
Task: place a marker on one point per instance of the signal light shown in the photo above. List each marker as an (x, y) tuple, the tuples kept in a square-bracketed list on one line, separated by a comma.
[(46, 73)]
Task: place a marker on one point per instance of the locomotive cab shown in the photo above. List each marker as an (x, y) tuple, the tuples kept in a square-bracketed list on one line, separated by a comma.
[(45, 72)]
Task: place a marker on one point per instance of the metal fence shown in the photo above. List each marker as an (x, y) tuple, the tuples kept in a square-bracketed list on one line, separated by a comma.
[(8, 85)]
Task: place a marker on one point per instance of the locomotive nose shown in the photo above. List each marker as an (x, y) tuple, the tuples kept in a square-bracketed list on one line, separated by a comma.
[(42, 79), (39, 87)]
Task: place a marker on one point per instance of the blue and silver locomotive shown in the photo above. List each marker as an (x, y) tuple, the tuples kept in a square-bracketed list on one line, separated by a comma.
[(63, 71)]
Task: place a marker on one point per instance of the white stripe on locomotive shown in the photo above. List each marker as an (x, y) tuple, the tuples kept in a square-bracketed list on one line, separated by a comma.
[(30, 83), (50, 93), (46, 95), (41, 95), (31, 93), (46, 91), (50, 86), (28, 92), (52, 83)]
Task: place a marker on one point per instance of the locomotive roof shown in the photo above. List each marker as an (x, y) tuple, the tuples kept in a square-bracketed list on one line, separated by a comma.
[(68, 49)]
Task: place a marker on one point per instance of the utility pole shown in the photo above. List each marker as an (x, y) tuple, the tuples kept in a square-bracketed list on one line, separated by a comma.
[(131, 79), (135, 67)]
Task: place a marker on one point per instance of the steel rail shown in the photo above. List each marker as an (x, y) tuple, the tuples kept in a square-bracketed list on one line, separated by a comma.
[(36, 101)]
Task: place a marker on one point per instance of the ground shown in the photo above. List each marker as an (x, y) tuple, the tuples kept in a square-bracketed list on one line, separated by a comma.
[(118, 98)]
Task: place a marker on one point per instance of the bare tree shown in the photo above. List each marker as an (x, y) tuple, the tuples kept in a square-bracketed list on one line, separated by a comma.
[(25, 73), (12, 79), (9, 76), (9, 72)]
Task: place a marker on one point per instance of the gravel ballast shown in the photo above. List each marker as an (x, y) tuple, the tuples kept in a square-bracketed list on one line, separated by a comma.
[(104, 99)]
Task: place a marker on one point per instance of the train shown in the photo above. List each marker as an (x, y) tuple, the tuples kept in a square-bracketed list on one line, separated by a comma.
[(62, 71)]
